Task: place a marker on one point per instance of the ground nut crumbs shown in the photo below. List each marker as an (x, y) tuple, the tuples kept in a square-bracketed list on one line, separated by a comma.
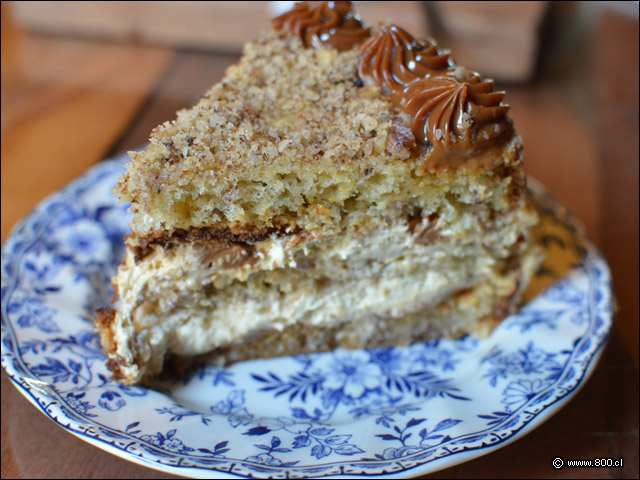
[(256, 145)]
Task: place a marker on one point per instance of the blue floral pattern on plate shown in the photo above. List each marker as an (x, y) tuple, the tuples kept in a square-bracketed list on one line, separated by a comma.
[(394, 411)]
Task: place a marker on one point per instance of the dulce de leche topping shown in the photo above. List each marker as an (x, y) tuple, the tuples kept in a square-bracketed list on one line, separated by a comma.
[(442, 103), (322, 24), (450, 113), (392, 58)]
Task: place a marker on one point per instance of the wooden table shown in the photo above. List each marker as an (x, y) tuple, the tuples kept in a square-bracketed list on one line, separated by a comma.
[(69, 103)]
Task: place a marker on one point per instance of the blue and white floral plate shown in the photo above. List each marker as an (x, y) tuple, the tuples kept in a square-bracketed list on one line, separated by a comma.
[(396, 412)]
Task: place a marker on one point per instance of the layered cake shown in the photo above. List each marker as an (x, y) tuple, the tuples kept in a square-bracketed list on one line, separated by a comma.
[(342, 186)]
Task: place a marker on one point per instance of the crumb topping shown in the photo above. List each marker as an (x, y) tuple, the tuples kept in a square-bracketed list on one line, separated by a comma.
[(289, 138)]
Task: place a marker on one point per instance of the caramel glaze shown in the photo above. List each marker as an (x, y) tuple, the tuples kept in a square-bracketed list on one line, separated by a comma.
[(394, 59), (453, 114), (322, 24), (443, 104)]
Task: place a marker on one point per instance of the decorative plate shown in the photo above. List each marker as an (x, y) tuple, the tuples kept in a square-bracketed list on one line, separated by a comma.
[(392, 412)]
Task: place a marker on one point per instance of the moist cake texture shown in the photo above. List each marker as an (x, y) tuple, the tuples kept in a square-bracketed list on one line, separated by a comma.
[(342, 186)]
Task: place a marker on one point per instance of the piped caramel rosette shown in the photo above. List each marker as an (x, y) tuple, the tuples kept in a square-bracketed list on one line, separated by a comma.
[(453, 114), (393, 59), (443, 104), (323, 24)]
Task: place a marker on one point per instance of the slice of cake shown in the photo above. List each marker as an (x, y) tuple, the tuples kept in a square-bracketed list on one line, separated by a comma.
[(342, 186)]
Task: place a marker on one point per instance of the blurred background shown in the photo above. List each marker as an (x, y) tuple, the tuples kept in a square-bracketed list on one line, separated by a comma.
[(83, 81)]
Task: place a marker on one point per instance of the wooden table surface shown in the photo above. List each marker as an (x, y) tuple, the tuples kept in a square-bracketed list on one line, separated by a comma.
[(69, 103)]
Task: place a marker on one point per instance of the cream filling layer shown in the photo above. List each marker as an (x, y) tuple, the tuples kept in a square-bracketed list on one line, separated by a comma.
[(171, 302)]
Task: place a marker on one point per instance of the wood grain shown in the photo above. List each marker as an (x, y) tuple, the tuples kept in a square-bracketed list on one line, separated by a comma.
[(63, 104), (615, 74), (499, 39), (221, 26)]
